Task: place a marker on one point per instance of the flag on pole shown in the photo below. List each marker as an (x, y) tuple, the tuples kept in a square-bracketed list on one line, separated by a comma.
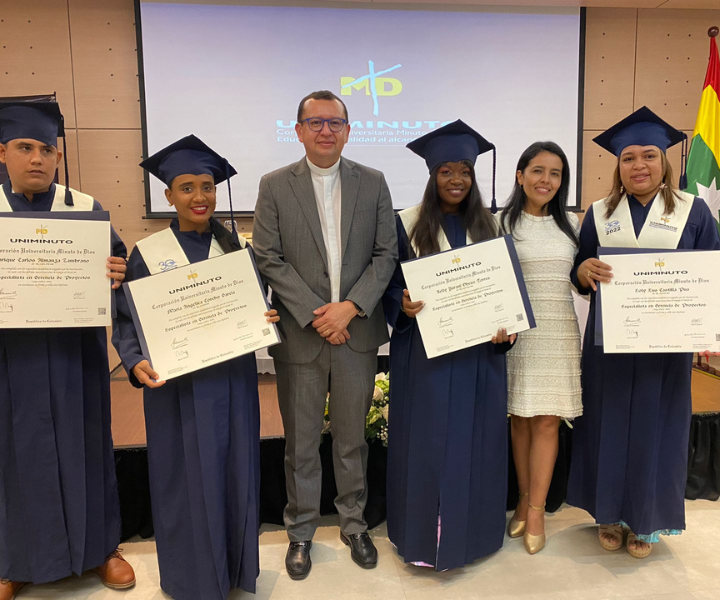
[(703, 165)]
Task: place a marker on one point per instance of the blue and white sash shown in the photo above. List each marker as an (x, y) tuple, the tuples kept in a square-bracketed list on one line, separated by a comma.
[(162, 251), (659, 230), (82, 202)]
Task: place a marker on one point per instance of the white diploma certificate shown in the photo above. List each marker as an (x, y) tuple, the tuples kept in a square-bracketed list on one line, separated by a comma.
[(201, 314), (469, 294), (52, 270), (660, 301)]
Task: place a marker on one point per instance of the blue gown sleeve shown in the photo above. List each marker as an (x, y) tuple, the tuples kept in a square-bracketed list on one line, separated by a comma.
[(706, 234), (124, 335), (392, 299), (588, 249)]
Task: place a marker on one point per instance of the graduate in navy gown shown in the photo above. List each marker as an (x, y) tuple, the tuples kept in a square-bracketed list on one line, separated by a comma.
[(203, 428), (447, 441), (59, 509), (630, 447)]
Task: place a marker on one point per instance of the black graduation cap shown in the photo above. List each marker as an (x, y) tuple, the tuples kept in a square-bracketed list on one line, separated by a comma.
[(454, 142), (643, 128), (190, 156), (41, 121)]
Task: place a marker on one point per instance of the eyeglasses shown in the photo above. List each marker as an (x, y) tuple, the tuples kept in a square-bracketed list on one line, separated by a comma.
[(316, 124)]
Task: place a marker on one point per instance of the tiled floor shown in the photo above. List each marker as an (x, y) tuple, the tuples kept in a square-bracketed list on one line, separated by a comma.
[(571, 567)]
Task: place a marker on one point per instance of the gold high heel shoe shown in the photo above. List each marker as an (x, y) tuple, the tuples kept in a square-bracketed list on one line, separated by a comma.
[(516, 528), (534, 543)]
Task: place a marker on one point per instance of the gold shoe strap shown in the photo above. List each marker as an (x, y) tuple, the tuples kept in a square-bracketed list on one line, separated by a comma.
[(537, 507)]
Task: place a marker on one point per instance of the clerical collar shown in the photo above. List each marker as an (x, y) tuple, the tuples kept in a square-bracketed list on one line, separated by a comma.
[(320, 171)]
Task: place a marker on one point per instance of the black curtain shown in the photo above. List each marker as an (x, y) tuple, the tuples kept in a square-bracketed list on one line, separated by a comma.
[(133, 485)]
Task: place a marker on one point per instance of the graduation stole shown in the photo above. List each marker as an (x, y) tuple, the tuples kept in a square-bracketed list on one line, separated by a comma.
[(162, 251), (659, 230), (83, 202), (409, 217)]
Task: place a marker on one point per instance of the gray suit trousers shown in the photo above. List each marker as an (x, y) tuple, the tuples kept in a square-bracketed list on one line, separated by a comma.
[(349, 376)]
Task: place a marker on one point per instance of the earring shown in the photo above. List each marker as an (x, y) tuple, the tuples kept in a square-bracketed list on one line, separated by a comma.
[(622, 189), (663, 185)]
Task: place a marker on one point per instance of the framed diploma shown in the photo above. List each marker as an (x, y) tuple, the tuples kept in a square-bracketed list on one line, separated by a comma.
[(201, 314), (52, 269), (659, 301), (469, 293)]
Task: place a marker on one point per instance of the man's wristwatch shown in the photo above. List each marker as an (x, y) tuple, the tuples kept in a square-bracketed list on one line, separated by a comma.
[(361, 312)]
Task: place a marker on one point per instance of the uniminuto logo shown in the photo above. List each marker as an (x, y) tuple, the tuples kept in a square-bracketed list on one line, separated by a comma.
[(372, 84)]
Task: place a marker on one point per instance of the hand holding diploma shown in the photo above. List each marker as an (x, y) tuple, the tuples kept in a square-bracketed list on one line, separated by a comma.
[(116, 266), (146, 375), (502, 337), (592, 270), (409, 307), (467, 296), (659, 301)]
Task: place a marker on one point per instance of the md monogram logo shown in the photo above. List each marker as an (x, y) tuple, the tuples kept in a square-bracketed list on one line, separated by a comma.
[(373, 84)]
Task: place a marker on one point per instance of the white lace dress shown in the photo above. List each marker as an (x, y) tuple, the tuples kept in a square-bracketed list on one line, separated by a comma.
[(544, 365)]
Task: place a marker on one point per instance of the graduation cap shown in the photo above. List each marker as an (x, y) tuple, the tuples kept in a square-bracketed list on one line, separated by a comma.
[(191, 156), (41, 121), (454, 142), (644, 128)]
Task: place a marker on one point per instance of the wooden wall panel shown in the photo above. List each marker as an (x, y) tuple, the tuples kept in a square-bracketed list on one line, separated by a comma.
[(35, 52), (672, 57), (609, 65), (109, 160), (104, 53), (598, 168)]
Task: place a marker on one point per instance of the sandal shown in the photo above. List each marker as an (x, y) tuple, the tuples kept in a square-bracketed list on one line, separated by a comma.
[(616, 532), (638, 552)]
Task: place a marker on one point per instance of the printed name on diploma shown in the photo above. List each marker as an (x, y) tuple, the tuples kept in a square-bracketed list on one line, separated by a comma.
[(660, 302)]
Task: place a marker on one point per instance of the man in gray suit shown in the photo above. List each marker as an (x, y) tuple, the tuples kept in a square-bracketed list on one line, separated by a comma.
[(324, 238)]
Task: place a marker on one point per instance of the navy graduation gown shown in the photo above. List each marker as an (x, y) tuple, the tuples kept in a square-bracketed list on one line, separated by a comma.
[(447, 443), (59, 509), (630, 447), (203, 433)]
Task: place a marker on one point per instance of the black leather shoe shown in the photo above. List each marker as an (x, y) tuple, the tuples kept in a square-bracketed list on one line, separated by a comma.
[(297, 560), (362, 549)]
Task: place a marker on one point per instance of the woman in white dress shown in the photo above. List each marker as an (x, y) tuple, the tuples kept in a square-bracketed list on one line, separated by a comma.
[(544, 366)]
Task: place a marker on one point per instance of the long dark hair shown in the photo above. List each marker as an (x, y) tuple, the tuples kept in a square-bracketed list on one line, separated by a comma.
[(668, 192), (475, 217), (227, 241), (556, 207)]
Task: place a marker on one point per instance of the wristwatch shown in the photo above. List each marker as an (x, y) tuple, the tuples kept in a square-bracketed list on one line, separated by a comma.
[(361, 312)]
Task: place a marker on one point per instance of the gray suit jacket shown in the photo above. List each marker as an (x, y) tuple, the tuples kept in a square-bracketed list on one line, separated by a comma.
[(291, 256)]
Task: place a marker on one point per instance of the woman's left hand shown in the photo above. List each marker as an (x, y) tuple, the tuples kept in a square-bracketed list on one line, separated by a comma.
[(708, 354), (116, 270), (272, 316), (502, 337)]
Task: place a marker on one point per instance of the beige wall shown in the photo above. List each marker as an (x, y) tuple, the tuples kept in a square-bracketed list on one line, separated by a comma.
[(86, 51), (633, 58)]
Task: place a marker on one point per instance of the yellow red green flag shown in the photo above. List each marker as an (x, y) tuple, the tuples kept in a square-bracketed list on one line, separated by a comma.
[(703, 166)]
